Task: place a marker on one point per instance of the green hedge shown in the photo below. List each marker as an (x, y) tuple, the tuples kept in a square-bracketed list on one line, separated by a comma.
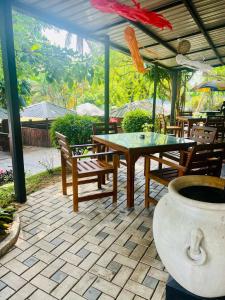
[(134, 120), (78, 129)]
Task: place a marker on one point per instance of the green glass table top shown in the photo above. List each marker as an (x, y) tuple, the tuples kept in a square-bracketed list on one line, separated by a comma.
[(151, 139)]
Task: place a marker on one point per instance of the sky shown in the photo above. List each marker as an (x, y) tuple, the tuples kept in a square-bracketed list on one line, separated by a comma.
[(57, 37)]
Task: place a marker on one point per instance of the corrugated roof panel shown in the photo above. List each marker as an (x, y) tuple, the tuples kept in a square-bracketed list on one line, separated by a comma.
[(218, 36), (176, 16), (201, 55), (213, 62), (211, 12), (222, 51)]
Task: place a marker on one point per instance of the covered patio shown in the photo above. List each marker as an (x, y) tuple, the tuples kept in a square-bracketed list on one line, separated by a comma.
[(106, 250), (202, 22)]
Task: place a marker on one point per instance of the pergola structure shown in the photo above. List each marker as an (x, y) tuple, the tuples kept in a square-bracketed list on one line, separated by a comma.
[(199, 21)]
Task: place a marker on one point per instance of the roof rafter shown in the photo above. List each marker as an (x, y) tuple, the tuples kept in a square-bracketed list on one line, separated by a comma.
[(186, 36), (126, 51), (195, 15), (154, 36), (192, 52)]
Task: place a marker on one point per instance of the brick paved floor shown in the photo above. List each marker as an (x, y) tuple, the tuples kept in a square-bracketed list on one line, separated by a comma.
[(103, 252)]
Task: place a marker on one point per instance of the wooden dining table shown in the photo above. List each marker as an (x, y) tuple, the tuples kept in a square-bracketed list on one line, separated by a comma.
[(137, 144), (190, 121)]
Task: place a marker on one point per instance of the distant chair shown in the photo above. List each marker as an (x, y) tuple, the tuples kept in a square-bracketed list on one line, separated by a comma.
[(168, 129), (100, 128), (217, 122), (199, 134), (186, 113), (91, 166)]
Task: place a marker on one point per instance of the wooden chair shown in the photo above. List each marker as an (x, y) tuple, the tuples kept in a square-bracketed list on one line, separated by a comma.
[(199, 134), (92, 166), (203, 159), (217, 122), (100, 128), (165, 129)]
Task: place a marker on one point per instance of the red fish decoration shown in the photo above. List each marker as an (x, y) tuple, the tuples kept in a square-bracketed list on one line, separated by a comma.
[(136, 13)]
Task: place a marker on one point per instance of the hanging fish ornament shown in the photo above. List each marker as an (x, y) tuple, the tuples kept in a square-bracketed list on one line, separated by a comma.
[(134, 13), (130, 37)]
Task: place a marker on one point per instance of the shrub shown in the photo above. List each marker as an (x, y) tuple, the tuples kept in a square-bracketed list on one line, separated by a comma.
[(6, 217), (6, 176), (134, 120), (78, 129)]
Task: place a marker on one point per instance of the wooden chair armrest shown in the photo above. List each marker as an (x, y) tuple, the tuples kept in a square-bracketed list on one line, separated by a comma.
[(84, 145), (167, 162), (4, 134), (95, 154)]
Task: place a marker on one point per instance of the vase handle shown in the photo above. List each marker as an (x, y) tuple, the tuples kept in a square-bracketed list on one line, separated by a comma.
[(194, 251)]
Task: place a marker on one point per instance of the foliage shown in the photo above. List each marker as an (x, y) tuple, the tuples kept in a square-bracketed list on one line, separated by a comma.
[(163, 82), (6, 217), (33, 184), (134, 120), (6, 176), (78, 129), (24, 90), (48, 164), (147, 127)]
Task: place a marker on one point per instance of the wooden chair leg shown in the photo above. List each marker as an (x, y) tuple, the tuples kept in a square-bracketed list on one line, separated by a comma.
[(147, 181), (63, 173), (115, 177), (75, 186), (99, 182), (160, 164)]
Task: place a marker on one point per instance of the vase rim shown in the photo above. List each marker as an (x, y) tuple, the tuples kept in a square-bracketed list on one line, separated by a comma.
[(192, 180)]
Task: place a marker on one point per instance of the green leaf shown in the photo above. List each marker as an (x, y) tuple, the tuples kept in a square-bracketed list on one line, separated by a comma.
[(35, 47)]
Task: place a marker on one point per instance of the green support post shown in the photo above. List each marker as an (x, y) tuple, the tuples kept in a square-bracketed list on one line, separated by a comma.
[(107, 72), (154, 96), (10, 76), (174, 75)]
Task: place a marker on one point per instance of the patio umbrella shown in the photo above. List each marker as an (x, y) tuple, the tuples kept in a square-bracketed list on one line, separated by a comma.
[(214, 86), (211, 86)]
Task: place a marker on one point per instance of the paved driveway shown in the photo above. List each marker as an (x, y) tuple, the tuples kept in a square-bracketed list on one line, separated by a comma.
[(36, 159)]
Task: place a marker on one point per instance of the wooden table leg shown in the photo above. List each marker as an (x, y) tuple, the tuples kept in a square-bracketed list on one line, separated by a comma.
[(130, 179), (189, 129)]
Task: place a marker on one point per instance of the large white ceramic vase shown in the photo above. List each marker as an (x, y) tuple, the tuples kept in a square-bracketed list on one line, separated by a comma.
[(190, 237)]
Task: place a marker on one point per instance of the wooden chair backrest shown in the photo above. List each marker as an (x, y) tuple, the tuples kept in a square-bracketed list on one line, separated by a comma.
[(100, 128), (217, 122), (64, 146), (203, 134), (205, 159), (186, 113)]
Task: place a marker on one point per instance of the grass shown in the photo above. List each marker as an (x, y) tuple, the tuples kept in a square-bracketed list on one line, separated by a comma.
[(33, 184)]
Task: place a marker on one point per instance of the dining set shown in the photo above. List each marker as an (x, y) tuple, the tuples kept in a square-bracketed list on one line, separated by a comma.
[(201, 152)]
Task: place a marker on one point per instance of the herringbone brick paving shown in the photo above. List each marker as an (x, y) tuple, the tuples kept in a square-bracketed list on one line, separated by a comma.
[(103, 252)]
